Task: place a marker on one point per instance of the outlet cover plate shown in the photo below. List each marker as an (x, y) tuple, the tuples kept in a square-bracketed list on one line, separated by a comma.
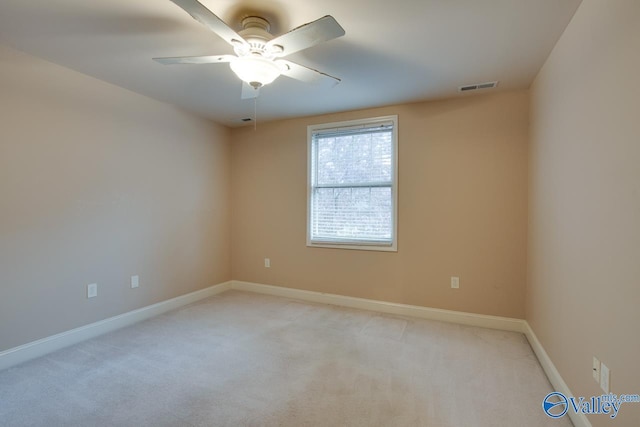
[(455, 282), (596, 369), (135, 281), (92, 290)]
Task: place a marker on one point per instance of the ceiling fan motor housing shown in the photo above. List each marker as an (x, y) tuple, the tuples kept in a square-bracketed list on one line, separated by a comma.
[(255, 30)]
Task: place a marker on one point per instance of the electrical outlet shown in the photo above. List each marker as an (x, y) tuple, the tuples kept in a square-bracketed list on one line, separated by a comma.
[(92, 290), (596, 369), (135, 281), (267, 263), (455, 282), (604, 377)]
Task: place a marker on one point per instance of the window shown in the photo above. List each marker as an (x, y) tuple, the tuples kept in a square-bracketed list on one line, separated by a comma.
[(352, 184)]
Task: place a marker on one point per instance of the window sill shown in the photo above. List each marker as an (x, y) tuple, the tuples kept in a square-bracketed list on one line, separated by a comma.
[(355, 247)]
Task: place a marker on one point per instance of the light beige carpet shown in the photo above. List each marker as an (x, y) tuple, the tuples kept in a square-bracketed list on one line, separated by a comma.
[(243, 359)]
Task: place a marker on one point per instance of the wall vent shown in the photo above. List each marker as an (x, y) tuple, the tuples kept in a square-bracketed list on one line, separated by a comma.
[(486, 85)]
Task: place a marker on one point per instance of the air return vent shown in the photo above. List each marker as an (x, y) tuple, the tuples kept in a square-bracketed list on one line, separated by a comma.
[(486, 85)]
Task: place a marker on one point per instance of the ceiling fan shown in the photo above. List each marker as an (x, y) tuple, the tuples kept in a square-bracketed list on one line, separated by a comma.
[(257, 60)]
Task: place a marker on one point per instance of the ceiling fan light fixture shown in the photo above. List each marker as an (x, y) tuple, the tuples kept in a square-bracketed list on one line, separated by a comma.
[(255, 70)]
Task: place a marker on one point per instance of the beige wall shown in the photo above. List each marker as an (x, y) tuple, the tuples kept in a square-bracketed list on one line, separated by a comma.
[(462, 208), (97, 184), (584, 247)]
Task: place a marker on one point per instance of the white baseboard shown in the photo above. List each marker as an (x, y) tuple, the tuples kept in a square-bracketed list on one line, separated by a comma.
[(23, 353), (579, 420), (482, 320)]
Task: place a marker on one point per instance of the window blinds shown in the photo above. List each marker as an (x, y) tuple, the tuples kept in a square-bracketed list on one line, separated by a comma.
[(352, 184)]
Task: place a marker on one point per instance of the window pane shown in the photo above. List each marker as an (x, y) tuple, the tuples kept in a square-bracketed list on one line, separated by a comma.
[(352, 213), (350, 159), (352, 173)]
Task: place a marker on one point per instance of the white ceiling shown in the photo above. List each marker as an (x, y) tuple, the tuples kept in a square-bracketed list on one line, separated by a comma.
[(393, 51)]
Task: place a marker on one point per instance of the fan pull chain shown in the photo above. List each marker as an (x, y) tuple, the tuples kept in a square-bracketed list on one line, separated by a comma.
[(255, 114)]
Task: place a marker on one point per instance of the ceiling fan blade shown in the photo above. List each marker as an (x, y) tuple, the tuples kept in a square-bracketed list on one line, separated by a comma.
[(307, 75), (305, 36), (211, 59), (207, 18), (249, 92)]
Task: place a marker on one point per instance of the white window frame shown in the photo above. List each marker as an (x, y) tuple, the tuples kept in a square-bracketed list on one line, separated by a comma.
[(366, 246)]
